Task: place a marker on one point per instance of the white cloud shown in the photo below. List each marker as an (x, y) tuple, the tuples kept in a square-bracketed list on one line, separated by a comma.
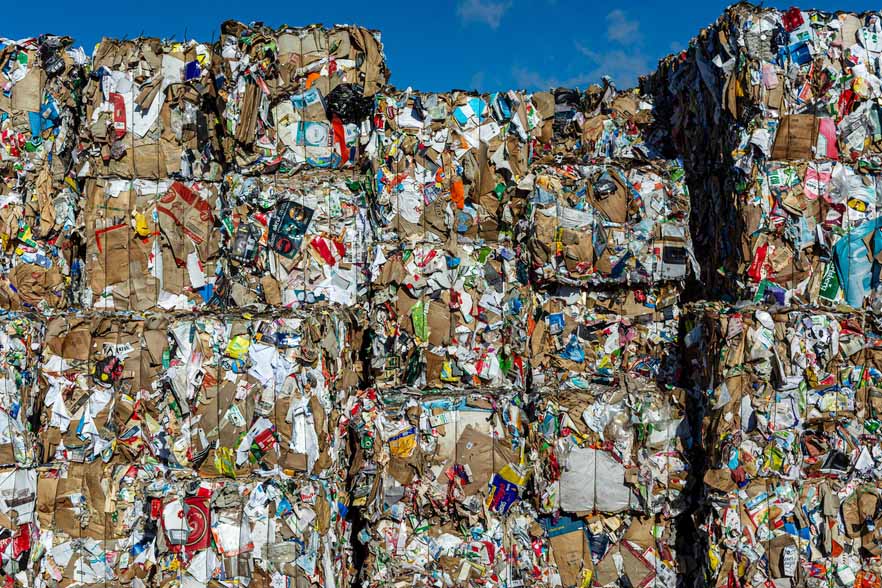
[(477, 81), (622, 59), (487, 12), (624, 67), (621, 29), (532, 80)]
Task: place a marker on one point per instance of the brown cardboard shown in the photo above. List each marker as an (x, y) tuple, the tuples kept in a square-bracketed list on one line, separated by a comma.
[(795, 138), (571, 554)]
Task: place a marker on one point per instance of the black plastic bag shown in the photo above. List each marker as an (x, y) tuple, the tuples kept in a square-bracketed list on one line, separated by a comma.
[(348, 102)]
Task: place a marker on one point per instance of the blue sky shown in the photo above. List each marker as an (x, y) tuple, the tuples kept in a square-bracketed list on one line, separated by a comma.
[(430, 45)]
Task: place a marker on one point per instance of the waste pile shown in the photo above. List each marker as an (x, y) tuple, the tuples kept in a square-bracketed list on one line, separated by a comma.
[(791, 436), (151, 244), (179, 335), (288, 242), (192, 446), (603, 224), (296, 97), (775, 113), (609, 251), (467, 338), (42, 79), (440, 480), (268, 320), (609, 433), (150, 111), (440, 466)]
